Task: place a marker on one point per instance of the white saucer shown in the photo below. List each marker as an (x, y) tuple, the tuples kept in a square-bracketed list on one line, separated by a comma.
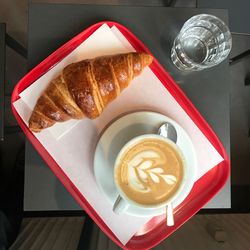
[(119, 133)]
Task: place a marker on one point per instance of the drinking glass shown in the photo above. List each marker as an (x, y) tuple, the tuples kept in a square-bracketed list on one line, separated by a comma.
[(203, 42)]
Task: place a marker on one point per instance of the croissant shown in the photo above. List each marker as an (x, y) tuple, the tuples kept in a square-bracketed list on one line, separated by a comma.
[(85, 88)]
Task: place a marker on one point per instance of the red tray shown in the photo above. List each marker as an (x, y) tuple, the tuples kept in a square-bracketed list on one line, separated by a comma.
[(204, 189)]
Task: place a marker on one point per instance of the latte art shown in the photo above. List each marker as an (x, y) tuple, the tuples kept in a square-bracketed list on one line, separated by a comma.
[(145, 167), (150, 171)]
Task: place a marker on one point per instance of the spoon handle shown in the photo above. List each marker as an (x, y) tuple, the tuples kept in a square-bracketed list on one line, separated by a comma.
[(170, 215)]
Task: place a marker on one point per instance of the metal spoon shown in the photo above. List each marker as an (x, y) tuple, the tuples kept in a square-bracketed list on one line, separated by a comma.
[(168, 130)]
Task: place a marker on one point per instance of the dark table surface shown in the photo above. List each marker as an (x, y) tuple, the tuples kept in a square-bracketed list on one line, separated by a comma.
[(2, 77), (52, 25), (238, 13)]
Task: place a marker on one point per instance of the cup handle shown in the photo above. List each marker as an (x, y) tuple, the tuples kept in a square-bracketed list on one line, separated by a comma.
[(120, 205)]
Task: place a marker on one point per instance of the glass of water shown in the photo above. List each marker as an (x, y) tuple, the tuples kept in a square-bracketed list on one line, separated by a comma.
[(203, 42)]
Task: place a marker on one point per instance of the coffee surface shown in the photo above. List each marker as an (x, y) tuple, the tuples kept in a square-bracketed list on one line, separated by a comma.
[(150, 171)]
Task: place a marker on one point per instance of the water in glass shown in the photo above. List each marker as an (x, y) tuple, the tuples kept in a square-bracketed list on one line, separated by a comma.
[(203, 42)]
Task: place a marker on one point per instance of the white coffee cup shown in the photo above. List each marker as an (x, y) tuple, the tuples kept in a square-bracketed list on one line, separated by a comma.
[(123, 201)]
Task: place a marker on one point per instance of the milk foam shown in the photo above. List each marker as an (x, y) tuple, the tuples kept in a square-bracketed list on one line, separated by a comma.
[(144, 166), (150, 171)]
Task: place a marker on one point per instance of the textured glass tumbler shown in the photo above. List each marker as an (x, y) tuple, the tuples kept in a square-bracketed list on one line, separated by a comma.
[(203, 42)]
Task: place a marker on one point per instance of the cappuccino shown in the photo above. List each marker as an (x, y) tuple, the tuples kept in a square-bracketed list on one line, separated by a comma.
[(150, 171)]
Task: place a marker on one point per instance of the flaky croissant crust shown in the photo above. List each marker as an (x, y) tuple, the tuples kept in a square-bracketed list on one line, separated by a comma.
[(85, 88)]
